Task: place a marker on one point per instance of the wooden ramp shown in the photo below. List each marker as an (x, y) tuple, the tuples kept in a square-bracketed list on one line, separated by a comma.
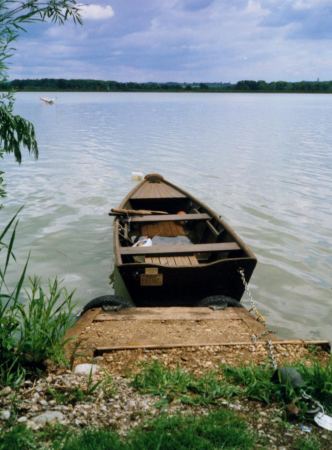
[(197, 337), (165, 327)]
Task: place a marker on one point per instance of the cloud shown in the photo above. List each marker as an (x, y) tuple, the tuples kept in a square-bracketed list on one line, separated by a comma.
[(96, 12), (306, 19), (185, 40)]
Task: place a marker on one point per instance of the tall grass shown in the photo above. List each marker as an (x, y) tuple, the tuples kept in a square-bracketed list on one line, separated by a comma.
[(33, 321)]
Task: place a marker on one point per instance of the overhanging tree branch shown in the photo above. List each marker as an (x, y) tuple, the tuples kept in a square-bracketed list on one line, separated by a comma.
[(17, 133)]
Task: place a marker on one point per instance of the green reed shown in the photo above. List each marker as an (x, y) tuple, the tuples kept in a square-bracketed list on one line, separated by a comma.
[(33, 320)]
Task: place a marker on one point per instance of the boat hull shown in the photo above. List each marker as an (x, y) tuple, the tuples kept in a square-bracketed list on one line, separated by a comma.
[(182, 274), (185, 286)]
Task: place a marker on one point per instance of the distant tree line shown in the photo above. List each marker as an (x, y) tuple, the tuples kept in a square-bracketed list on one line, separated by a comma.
[(52, 84)]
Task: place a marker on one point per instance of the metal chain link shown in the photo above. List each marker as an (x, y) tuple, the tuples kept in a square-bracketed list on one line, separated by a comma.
[(307, 397), (260, 318), (253, 306), (272, 355), (319, 406)]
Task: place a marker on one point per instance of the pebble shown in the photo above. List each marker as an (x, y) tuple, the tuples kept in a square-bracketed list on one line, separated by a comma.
[(5, 391), (131, 404), (86, 369), (34, 408), (99, 358), (234, 406), (5, 414), (48, 417), (22, 419), (35, 398)]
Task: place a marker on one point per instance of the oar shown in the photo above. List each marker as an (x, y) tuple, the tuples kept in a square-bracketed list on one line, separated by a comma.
[(133, 212)]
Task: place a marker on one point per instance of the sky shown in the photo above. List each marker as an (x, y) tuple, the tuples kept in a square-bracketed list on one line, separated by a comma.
[(183, 41)]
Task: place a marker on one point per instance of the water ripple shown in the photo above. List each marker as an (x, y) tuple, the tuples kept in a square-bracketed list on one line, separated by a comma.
[(263, 161)]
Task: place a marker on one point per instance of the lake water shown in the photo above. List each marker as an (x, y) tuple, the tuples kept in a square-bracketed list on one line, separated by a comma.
[(264, 162)]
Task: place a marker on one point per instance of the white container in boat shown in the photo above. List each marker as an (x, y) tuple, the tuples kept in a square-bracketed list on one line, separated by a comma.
[(145, 242), (137, 176)]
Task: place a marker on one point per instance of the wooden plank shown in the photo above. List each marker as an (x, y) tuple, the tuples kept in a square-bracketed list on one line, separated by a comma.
[(170, 217), (156, 190), (163, 260), (181, 249), (101, 350), (173, 313), (178, 261), (168, 191), (173, 261), (193, 261), (182, 260)]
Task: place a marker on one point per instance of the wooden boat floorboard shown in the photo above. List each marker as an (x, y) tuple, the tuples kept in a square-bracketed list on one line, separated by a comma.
[(177, 261)]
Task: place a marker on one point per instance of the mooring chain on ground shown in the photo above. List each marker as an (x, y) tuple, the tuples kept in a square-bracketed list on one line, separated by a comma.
[(319, 407), (256, 338)]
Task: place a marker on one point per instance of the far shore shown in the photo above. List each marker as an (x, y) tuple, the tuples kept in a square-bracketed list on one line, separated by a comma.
[(244, 86)]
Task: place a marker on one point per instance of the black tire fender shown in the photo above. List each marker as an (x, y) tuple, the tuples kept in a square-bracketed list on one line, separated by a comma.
[(219, 300), (108, 300)]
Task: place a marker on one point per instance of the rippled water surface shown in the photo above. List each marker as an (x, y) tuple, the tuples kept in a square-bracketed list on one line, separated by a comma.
[(264, 162)]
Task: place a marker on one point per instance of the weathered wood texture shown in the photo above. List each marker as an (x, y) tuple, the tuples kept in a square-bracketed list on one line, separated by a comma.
[(156, 190), (178, 261), (170, 326), (197, 336), (172, 217), (181, 249)]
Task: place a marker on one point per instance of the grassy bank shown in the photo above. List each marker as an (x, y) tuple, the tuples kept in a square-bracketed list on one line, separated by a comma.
[(162, 408)]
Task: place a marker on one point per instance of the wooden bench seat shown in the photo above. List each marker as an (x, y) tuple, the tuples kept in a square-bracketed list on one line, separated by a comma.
[(180, 249), (170, 217)]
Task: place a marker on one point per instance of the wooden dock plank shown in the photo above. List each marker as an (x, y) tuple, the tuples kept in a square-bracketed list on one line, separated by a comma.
[(171, 313)]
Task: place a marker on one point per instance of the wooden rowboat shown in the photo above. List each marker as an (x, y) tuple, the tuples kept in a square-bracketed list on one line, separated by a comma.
[(188, 252)]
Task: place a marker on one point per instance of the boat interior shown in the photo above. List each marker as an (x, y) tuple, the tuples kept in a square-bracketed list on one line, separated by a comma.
[(183, 233)]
